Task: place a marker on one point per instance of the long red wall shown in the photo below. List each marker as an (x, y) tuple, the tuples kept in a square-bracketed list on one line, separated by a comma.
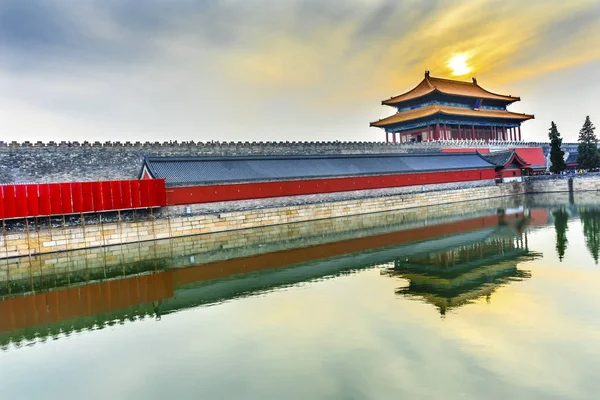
[(245, 191), (19, 201)]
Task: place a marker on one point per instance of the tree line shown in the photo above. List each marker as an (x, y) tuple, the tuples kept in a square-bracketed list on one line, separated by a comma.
[(589, 155)]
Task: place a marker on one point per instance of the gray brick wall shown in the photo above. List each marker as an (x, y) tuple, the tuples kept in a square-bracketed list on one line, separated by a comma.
[(59, 162)]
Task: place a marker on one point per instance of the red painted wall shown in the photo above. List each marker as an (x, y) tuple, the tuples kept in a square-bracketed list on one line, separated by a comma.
[(245, 191), (510, 173)]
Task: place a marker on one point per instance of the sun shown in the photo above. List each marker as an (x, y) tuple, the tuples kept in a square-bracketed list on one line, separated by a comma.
[(458, 64)]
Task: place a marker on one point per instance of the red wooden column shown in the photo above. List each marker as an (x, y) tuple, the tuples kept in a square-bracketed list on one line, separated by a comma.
[(394, 136), (387, 137), (473, 132), (504, 133), (437, 131), (428, 133), (445, 133), (520, 133), (459, 133)]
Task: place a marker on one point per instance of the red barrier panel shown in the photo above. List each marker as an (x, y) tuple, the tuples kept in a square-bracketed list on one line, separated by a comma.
[(21, 200), (126, 194), (97, 194), (65, 196), (87, 194), (106, 196), (55, 203), (152, 198), (136, 201), (33, 200), (77, 196), (9, 201), (144, 189), (161, 193), (44, 196), (116, 195), (2, 215)]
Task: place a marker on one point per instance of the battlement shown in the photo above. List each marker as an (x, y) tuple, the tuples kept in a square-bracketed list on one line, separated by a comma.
[(286, 144)]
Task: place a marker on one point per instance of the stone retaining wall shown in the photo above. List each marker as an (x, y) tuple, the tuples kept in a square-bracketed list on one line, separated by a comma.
[(560, 183), (114, 233)]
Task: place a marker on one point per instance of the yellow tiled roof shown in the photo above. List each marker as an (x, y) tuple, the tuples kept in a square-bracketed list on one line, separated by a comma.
[(447, 86), (448, 110)]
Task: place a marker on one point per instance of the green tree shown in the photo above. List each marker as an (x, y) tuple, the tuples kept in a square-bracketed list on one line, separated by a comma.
[(557, 155), (588, 146), (591, 231), (561, 218)]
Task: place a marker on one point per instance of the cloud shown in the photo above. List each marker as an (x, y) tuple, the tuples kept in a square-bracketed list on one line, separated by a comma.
[(258, 70)]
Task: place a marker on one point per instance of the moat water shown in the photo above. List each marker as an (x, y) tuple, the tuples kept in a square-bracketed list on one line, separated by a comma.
[(501, 302)]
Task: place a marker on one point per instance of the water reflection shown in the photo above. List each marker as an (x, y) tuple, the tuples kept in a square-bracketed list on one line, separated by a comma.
[(590, 219), (448, 261), (454, 277), (561, 221), (351, 306)]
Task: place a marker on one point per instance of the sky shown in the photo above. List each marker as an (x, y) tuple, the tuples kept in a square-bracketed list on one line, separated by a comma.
[(289, 70)]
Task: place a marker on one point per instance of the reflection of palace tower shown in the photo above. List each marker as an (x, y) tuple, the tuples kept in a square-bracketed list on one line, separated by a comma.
[(453, 277)]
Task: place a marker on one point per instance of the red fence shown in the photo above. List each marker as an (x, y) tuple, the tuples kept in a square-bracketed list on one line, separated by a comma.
[(20, 201), (259, 190)]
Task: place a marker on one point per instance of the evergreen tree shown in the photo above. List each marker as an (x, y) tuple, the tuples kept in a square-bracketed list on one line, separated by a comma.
[(588, 146), (561, 219), (591, 231), (557, 155)]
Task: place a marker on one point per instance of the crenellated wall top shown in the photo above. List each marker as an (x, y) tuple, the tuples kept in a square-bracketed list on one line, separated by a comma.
[(213, 144)]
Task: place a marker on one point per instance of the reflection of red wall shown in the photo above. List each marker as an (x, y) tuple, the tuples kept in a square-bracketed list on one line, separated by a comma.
[(221, 269), (82, 301), (244, 191), (538, 217)]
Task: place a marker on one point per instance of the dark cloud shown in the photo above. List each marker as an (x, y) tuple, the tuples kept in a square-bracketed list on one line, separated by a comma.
[(35, 23), (36, 33)]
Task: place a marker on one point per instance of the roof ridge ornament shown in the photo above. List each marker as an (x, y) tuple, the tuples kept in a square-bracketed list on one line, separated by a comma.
[(474, 81), (426, 74)]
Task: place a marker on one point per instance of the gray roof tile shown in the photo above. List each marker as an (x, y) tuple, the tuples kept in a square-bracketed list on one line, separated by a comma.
[(219, 170)]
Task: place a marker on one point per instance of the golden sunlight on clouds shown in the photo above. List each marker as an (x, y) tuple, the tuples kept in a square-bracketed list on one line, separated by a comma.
[(332, 69), (458, 64)]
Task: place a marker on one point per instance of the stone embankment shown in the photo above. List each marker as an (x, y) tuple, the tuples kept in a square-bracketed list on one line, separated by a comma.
[(560, 183)]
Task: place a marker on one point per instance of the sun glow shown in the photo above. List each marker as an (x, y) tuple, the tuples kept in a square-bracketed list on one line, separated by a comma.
[(458, 64)]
